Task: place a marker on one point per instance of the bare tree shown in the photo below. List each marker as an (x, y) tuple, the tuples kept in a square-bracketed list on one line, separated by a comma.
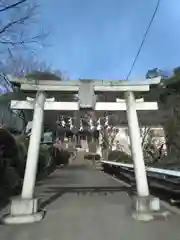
[(144, 132), (152, 145), (30, 67), (17, 18), (22, 67)]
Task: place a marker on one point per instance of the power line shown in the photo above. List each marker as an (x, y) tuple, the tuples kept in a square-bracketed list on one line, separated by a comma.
[(144, 39)]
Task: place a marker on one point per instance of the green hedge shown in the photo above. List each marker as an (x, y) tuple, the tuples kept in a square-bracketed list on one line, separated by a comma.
[(62, 157), (90, 157), (13, 155), (119, 156)]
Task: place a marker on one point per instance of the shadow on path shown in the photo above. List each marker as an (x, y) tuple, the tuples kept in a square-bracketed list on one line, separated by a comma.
[(59, 191)]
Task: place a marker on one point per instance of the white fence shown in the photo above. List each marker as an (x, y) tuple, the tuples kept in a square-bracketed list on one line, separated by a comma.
[(148, 169)]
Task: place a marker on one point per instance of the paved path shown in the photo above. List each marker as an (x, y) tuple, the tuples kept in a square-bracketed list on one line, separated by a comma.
[(84, 204)]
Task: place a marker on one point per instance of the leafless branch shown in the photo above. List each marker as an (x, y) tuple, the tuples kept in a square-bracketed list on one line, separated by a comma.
[(144, 134), (14, 27), (12, 5), (24, 40), (10, 24)]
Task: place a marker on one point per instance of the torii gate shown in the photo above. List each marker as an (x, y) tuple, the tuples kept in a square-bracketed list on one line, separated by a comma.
[(25, 208)]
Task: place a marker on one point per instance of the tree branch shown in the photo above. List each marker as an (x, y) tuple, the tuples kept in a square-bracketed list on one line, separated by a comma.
[(16, 27), (12, 5), (24, 41), (13, 28), (18, 21), (8, 26)]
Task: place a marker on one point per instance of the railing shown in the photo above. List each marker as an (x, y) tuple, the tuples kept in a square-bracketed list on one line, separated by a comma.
[(148, 169), (163, 182)]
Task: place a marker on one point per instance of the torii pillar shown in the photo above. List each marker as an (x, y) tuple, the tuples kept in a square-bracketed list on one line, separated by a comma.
[(144, 205), (24, 209)]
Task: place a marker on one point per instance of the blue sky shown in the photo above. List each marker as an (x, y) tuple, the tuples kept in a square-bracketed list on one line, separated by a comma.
[(99, 38)]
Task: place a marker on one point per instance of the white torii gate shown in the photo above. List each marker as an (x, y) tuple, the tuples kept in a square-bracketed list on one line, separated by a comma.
[(25, 208)]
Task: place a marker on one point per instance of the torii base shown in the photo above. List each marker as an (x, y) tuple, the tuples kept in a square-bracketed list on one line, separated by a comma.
[(23, 211), (147, 209)]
